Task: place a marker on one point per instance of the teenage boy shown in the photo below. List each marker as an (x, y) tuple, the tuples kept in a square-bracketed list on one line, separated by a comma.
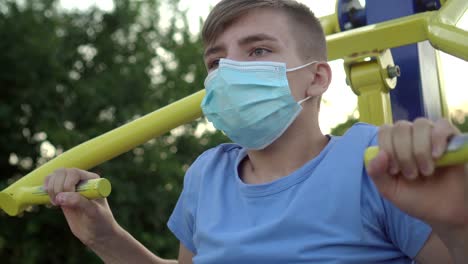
[(284, 192)]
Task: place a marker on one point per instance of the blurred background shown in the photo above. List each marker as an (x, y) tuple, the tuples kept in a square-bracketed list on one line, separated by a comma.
[(73, 70)]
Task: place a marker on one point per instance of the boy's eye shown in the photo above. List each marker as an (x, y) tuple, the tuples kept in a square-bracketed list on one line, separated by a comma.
[(259, 52), (213, 64)]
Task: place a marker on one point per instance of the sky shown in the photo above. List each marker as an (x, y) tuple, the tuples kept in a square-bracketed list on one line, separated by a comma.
[(339, 101)]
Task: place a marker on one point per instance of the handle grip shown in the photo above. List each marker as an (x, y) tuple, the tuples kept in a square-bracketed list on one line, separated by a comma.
[(91, 189), (456, 153)]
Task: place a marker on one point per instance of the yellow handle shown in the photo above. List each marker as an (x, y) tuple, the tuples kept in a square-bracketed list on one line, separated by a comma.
[(91, 189), (457, 156)]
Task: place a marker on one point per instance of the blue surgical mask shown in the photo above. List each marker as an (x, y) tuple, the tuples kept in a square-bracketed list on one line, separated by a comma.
[(251, 102)]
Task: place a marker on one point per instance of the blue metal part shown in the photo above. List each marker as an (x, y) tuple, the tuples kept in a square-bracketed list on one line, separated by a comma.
[(351, 14), (417, 93)]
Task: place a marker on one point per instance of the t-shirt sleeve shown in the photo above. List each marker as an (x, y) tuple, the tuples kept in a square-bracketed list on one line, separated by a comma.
[(182, 220), (407, 233), (181, 223)]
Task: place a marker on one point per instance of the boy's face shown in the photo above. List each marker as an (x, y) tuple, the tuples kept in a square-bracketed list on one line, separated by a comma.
[(261, 35)]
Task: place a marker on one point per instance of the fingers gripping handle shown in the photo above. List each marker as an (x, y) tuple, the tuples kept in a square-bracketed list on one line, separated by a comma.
[(456, 153), (91, 189), (24, 196)]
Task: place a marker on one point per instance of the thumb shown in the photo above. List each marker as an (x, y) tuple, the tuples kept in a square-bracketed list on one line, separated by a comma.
[(378, 171)]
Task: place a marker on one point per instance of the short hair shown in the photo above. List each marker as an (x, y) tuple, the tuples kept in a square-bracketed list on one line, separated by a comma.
[(310, 38)]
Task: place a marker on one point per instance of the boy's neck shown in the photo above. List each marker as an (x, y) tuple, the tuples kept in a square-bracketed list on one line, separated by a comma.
[(287, 154)]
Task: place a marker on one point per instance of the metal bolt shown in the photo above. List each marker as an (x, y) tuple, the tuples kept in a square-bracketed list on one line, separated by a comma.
[(431, 6), (348, 26), (393, 71)]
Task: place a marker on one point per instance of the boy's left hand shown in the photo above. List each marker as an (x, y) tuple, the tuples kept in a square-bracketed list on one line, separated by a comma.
[(404, 172)]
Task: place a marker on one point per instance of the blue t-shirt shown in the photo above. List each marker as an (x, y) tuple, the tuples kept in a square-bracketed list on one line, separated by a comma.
[(327, 211)]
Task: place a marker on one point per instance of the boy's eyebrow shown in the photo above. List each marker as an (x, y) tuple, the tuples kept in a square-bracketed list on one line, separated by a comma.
[(255, 38), (213, 50), (242, 42)]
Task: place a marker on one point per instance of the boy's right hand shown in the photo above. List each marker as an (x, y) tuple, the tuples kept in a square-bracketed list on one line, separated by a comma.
[(91, 221)]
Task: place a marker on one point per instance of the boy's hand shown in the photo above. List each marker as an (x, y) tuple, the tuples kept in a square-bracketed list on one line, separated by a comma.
[(89, 220), (405, 173)]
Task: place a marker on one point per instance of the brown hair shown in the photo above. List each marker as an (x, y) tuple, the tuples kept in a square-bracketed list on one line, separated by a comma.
[(310, 39)]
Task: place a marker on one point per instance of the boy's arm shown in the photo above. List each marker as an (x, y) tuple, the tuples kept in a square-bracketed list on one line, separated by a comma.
[(92, 222), (434, 251), (123, 248), (185, 255)]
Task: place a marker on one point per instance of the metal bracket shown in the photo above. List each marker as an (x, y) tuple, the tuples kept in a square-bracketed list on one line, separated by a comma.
[(371, 77)]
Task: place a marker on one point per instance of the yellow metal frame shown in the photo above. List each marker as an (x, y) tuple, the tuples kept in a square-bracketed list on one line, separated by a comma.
[(330, 24), (438, 27)]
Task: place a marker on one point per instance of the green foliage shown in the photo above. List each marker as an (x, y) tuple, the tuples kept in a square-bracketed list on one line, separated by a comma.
[(340, 129), (67, 77)]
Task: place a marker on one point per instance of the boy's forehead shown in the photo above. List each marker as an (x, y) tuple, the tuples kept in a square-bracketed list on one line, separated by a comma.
[(265, 23)]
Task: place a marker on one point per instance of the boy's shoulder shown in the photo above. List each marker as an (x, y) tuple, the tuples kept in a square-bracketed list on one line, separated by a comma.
[(220, 152), (361, 131), (364, 126), (220, 156)]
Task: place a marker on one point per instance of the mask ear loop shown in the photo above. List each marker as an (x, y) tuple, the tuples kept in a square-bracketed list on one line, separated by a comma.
[(298, 68), (305, 99), (301, 67)]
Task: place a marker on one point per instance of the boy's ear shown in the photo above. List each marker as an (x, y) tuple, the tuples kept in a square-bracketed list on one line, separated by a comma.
[(321, 79)]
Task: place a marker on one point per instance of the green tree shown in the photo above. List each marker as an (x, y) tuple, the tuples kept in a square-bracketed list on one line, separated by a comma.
[(340, 129), (66, 77)]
